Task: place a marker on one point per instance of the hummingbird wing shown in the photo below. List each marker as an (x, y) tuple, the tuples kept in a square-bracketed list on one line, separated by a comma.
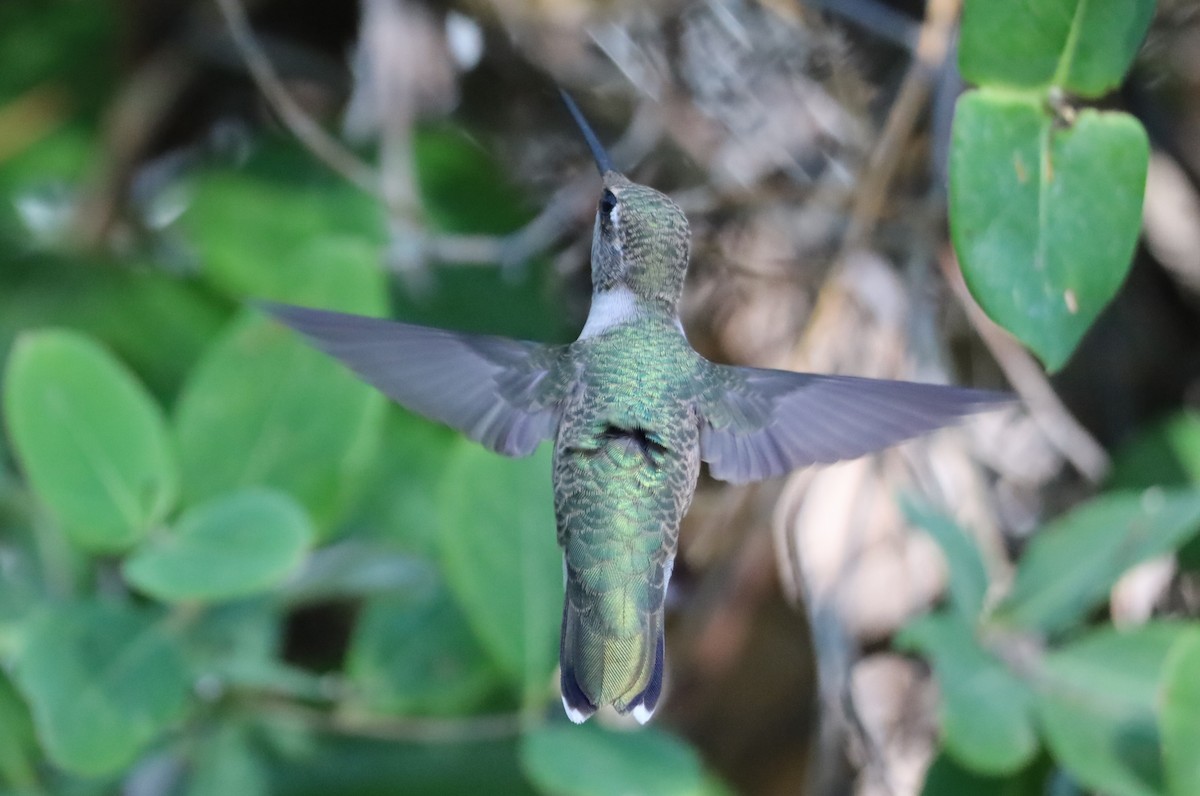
[(760, 423), (499, 392)]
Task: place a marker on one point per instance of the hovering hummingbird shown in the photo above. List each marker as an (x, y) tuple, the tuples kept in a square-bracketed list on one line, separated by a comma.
[(632, 410)]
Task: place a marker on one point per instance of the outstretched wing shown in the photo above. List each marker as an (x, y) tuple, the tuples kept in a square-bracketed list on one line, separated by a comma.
[(760, 423), (499, 392)]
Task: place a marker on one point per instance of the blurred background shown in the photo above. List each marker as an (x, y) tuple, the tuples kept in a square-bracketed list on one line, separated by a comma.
[(163, 162)]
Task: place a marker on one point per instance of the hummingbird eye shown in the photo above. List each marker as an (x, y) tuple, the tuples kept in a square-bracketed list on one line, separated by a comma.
[(608, 203)]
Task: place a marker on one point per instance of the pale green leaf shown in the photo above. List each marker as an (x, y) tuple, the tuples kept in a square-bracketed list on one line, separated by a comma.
[(973, 684), (233, 546), (416, 654), (1069, 567), (968, 576), (264, 409), (501, 559), (593, 761), (1096, 707), (90, 439), (103, 681), (1179, 711)]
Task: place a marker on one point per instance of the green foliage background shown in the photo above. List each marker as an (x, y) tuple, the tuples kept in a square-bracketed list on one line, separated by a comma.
[(181, 478)]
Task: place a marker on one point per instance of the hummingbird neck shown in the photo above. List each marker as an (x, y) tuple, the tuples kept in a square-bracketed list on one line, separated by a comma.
[(617, 306)]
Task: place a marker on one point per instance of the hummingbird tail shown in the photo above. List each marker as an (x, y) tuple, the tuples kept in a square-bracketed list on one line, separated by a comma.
[(579, 700), (576, 702)]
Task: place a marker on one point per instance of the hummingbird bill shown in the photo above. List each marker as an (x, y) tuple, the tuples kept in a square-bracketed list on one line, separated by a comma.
[(632, 410)]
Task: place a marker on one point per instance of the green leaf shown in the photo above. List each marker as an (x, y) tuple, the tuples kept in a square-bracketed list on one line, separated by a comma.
[(463, 188), (1165, 454), (1096, 706), (1179, 711), (233, 637), (264, 409), (264, 228), (226, 764), (946, 777), (155, 322), (501, 559), (968, 576), (354, 568), (399, 501), (321, 764), (230, 547), (974, 684), (236, 646), (57, 42), (90, 439), (592, 761), (1039, 253), (18, 749), (1070, 566), (1083, 46), (416, 654), (103, 681)]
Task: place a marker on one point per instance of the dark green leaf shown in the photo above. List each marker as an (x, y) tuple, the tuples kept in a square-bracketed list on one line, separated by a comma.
[(59, 43), (236, 646), (1096, 706), (155, 322), (416, 654), (592, 761), (236, 636), (1179, 711), (90, 439), (1166, 454), (968, 576), (1039, 253), (946, 777), (349, 766), (501, 560), (103, 681), (1083, 46), (462, 187), (264, 409), (354, 568), (973, 684), (232, 546), (1070, 566)]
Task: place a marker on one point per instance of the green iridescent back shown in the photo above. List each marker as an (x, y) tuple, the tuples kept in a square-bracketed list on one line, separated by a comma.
[(625, 468)]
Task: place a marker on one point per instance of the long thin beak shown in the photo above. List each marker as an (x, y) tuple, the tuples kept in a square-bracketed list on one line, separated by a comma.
[(603, 162)]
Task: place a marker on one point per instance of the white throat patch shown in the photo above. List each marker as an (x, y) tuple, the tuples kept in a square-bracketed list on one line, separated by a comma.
[(610, 308)]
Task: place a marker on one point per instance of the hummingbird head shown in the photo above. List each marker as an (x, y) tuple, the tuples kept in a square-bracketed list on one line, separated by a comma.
[(640, 243)]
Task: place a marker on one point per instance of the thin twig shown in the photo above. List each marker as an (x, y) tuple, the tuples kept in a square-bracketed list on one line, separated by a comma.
[(304, 127), (933, 44), (1029, 380), (536, 236), (420, 730)]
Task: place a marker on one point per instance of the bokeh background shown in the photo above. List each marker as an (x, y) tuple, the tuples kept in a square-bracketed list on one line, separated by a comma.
[(165, 162)]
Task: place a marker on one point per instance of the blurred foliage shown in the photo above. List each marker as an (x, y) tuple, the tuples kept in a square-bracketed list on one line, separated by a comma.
[(182, 482)]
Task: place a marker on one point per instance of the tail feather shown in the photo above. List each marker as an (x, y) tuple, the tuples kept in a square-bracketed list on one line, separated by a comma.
[(643, 704), (576, 702), (586, 683)]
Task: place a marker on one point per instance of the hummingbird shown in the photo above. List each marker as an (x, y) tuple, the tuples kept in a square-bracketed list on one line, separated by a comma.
[(632, 410)]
